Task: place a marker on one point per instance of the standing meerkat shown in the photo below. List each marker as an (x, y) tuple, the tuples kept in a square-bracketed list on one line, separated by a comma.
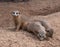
[(39, 28)]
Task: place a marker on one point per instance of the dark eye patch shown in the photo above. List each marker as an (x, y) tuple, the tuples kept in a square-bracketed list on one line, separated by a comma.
[(17, 13)]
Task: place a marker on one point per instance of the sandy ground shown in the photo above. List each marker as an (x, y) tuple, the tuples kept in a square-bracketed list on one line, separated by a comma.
[(10, 38)]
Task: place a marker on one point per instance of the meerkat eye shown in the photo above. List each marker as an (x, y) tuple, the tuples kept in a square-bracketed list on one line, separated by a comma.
[(13, 12), (17, 13)]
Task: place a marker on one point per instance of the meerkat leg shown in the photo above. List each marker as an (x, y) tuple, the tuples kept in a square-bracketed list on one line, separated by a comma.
[(18, 27), (15, 23), (45, 24)]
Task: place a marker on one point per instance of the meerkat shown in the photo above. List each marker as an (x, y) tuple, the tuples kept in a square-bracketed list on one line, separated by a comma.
[(39, 28), (19, 19)]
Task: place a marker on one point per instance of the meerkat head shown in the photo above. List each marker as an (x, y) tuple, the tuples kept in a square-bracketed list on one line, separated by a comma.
[(15, 13), (42, 36)]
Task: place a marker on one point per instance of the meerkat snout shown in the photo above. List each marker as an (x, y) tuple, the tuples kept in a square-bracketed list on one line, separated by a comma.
[(15, 13)]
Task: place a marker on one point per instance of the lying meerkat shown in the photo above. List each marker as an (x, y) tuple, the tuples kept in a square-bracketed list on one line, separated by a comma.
[(37, 29), (23, 21), (41, 29)]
